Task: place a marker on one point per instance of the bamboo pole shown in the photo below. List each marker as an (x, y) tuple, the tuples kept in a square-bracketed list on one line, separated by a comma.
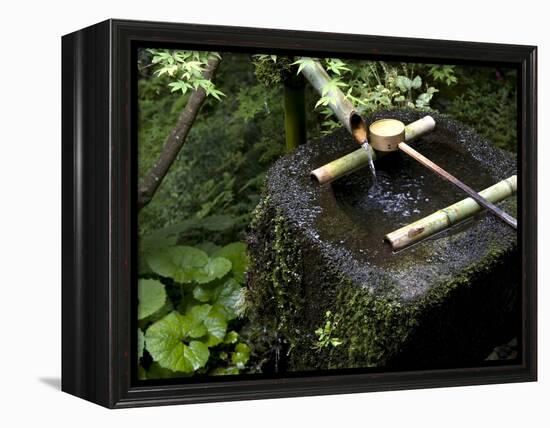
[(456, 182), (295, 112), (360, 158), (446, 217), (317, 76)]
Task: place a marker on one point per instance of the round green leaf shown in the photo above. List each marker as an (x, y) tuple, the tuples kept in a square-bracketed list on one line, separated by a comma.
[(231, 337), (236, 254), (216, 268), (196, 354), (203, 294), (167, 342), (241, 355), (216, 325), (194, 321), (151, 297), (227, 297), (180, 263)]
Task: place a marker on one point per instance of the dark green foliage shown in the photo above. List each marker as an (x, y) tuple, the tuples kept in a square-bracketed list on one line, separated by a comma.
[(272, 70), (221, 166), (486, 100)]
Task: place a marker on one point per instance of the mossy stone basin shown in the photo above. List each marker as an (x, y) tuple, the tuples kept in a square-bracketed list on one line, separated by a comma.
[(444, 302)]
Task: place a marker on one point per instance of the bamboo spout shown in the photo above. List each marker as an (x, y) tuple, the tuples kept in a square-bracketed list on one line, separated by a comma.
[(360, 158), (453, 214), (318, 77)]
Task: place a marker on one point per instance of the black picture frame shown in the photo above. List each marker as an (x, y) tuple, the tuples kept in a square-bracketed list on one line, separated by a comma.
[(99, 211)]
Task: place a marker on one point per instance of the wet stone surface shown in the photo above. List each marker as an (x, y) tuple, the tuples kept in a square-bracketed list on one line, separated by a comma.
[(349, 218), (446, 301)]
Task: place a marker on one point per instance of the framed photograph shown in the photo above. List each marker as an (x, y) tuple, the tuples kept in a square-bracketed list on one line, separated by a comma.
[(253, 213)]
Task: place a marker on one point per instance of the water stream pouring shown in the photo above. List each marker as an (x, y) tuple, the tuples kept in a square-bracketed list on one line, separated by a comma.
[(359, 132)]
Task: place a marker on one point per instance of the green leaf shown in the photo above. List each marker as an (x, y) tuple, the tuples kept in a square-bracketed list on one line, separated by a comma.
[(227, 297), (403, 83), (324, 101), (140, 344), (180, 85), (217, 223), (203, 293), (236, 254), (303, 62), (336, 65), (215, 268), (232, 337), (224, 297), (216, 325), (193, 322), (187, 264), (416, 83), (241, 355), (168, 343), (151, 297), (161, 313), (336, 342), (180, 263), (332, 86), (208, 247), (167, 236), (207, 321)]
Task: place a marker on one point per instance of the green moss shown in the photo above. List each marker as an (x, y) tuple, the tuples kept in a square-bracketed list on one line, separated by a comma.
[(274, 292), (271, 72)]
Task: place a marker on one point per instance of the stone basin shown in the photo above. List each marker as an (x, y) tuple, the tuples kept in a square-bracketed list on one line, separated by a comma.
[(447, 301)]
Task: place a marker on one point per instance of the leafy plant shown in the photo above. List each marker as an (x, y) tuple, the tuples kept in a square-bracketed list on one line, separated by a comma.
[(151, 296), (373, 85), (186, 67), (325, 334), (188, 304), (220, 169), (486, 100)]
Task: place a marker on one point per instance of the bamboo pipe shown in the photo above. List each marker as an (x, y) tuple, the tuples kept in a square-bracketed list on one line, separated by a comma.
[(446, 217), (339, 104), (360, 158)]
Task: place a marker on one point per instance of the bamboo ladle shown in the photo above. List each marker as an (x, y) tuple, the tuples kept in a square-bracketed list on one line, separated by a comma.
[(388, 135)]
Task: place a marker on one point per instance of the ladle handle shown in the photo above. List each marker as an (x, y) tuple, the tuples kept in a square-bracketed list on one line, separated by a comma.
[(452, 179)]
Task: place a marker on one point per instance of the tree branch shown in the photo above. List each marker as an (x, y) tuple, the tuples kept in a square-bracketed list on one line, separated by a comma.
[(174, 142)]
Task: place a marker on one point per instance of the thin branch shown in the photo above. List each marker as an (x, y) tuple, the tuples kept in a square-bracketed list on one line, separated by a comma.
[(175, 140)]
